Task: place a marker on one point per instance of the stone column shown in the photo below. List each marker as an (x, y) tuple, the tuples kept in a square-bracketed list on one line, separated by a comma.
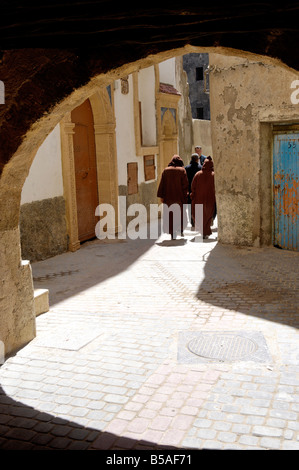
[(69, 182)]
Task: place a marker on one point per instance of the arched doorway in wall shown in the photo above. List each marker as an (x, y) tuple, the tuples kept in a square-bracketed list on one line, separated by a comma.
[(89, 164), (85, 170)]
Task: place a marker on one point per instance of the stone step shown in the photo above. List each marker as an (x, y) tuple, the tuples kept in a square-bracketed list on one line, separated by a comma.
[(41, 301)]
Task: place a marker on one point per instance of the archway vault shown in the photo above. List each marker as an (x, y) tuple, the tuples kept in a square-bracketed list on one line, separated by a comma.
[(43, 85), (31, 112)]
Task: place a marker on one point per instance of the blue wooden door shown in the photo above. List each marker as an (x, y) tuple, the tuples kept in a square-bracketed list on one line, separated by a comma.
[(286, 190)]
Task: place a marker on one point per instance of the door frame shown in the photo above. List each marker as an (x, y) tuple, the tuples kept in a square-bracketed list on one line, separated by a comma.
[(106, 159), (277, 130)]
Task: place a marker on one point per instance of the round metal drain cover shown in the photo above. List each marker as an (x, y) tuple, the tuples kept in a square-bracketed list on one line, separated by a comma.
[(222, 346)]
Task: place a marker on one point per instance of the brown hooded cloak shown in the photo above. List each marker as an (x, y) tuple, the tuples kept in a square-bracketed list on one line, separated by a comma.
[(203, 192), (173, 189)]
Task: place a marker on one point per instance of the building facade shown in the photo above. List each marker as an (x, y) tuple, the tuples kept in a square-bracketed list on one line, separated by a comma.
[(113, 146), (255, 135), (196, 68)]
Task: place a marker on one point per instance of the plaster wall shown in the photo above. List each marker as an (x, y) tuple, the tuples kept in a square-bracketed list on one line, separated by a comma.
[(185, 127), (247, 98), (43, 227), (202, 133), (44, 180), (126, 131), (147, 96), (17, 325), (167, 72), (125, 137)]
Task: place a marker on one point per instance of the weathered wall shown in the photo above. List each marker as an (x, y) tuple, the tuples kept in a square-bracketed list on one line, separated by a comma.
[(42, 216), (43, 229), (17, 325), (246, 98), (126, 131), (198, 97), (202, 132), (184, 114), (146, 196)]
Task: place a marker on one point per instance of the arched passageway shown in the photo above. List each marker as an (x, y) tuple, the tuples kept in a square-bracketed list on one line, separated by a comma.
[(43, 85)]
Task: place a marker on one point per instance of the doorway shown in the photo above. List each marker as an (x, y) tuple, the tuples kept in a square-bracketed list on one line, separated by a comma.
[(286, 188), (85, 170)]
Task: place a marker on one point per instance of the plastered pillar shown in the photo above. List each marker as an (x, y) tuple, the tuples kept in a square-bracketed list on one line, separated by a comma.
[(17, 315)]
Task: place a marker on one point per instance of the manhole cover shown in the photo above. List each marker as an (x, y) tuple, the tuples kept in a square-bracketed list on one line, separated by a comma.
[(222, 347)]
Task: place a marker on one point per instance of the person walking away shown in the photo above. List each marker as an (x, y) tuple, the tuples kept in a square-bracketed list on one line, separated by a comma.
[(173, 189), (191, 170), (203, 192), (202, 157)]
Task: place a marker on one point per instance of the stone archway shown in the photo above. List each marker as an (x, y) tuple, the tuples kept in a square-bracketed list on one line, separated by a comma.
[(33, 109)]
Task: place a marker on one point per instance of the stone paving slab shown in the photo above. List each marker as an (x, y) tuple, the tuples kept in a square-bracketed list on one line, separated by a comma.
[(103, 372)]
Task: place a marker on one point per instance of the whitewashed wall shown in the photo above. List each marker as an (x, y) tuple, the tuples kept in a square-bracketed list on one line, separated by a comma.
[(125, 137), (44, 180), (167, 71), (146, 85)]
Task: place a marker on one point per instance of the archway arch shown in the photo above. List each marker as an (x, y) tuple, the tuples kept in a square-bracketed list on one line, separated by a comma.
[(18, 322)]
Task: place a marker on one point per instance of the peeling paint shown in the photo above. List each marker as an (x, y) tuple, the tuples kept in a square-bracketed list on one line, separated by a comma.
[(286, 191)]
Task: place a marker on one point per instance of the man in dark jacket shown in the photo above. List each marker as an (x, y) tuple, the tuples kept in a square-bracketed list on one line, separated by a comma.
[(191, 171), (202, 157)]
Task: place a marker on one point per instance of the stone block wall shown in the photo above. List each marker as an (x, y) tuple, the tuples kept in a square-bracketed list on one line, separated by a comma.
[(43, 229)]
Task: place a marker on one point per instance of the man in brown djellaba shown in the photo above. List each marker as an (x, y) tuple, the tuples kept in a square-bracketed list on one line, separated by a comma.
[(203, 192), (173, 190)]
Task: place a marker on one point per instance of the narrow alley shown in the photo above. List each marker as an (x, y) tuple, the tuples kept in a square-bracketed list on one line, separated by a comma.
[(159, 344)]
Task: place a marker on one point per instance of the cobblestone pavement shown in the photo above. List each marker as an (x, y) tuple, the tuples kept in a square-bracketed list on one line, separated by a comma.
[(152, 344)]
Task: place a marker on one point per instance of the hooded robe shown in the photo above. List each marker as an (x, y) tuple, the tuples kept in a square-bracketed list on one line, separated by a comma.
[(173, 189), (203, 192)]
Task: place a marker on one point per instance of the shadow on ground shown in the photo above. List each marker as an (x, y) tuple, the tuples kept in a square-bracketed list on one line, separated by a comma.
[(25, 428), (95, 262), (262, 282)]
